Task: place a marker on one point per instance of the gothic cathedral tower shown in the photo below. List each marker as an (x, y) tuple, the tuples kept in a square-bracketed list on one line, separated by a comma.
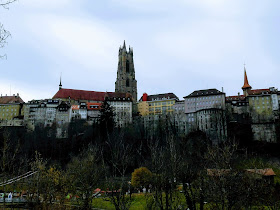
[(126, 82)]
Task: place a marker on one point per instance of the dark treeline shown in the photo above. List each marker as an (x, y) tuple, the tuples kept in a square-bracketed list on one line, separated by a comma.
[(103, 156), (43, 140)]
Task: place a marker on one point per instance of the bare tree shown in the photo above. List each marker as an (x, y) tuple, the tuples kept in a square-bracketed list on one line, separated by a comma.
[(233, 186), (9, 152), (5, 3), (192, 169), (165, 164), (119, 158), (4, 34), (85, 173)]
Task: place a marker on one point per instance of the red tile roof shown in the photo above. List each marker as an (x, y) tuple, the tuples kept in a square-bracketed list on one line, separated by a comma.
[(162, 96), (246, 83), (250, 92), (258, 91), (75, 107), (89, 95), (79, 95), (10, 99), (263, 172), (93, 104)]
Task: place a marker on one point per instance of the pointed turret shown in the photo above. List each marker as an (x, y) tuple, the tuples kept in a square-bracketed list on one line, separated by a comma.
[(130, 50), (124, 47), (246, 85), (60, 85)]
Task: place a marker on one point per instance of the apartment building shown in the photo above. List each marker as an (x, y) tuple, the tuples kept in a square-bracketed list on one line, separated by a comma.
[(157, 104), (205, 111)]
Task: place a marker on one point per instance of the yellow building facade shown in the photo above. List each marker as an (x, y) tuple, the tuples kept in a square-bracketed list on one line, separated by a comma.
[(161, 107), (143, 108), (157, 104), (10, 107), (261, 104), (9, 111)]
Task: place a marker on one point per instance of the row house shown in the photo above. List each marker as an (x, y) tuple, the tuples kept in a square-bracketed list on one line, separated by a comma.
[(122, 106), (93, 111), (40, 113), (79, 111), (46, 113), (63, 118)]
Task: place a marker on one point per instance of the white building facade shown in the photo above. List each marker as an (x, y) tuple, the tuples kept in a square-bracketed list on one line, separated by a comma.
[(205, 111)]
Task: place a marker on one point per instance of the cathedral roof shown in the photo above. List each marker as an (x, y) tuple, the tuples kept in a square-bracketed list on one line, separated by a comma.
[(10, 99), (79, 94), (88, 95)]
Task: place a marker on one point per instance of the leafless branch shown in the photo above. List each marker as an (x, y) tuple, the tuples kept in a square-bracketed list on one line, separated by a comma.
[(6, 3)]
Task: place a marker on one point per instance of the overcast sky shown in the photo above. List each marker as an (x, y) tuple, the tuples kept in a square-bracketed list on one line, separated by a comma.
[(179, 45)]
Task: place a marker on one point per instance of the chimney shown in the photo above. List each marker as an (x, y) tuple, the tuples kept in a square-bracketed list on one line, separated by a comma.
[(238, 93), (222, 89), (145, 97)]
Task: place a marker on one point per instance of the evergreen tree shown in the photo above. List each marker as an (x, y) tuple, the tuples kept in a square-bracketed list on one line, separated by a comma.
[(106, 120)]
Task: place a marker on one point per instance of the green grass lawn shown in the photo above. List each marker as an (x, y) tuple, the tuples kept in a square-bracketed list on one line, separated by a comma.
[(138, 202)]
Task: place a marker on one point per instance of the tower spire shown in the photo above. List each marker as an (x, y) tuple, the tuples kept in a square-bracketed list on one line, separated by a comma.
[(246, 85), (124, 47), (60, 85)]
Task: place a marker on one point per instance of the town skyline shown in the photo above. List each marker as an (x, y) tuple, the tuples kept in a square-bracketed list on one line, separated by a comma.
[(179, 47)]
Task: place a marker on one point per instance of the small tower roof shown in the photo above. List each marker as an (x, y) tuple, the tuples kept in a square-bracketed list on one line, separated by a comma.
[(124, 47), (246, 83), (60, 85)]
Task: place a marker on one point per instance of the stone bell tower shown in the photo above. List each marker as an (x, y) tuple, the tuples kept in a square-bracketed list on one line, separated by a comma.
[(126, 82)]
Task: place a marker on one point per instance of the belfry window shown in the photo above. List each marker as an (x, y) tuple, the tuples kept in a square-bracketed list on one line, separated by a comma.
[(127, 66), (127, 83)]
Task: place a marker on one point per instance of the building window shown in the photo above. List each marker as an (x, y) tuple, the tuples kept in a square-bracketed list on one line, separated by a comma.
[(127, 66)]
